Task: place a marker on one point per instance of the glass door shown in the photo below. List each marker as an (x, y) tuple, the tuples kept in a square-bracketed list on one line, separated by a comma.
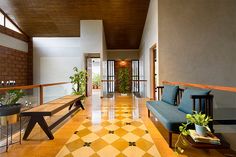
[(135, 76), (110, 76)]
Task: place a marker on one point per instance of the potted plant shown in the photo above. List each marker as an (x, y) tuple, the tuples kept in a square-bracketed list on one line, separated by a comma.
[(96, 81), (79, 82), (123, 80), (200, 121), (9, 106)]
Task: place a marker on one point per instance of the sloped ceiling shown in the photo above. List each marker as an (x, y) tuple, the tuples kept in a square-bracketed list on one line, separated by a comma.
[(123, 19)]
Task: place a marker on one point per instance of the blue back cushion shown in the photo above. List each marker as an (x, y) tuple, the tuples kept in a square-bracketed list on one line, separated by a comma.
[(186, 103), (169, 94)]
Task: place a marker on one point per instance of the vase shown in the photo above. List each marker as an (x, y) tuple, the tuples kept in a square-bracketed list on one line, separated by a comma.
[(123, 94), (201, 130)]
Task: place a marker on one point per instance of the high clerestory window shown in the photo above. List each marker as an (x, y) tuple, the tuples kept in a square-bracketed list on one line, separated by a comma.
[(6, 22), (1, 19)]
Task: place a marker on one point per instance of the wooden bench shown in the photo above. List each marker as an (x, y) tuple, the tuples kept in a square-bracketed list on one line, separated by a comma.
[(37, 114)]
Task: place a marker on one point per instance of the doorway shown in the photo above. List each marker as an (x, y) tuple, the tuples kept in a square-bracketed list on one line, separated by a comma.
[(153, 72), (94, 75)]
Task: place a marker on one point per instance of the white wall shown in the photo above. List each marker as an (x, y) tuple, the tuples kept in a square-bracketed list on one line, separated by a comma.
[(11, 42), (149, 38), (103, 63), (54, 58)]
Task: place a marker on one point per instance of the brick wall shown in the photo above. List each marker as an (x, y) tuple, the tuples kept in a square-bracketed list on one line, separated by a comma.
[(14, 64)]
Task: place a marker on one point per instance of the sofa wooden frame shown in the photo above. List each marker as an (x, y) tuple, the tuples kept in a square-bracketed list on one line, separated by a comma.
[(208, 99)]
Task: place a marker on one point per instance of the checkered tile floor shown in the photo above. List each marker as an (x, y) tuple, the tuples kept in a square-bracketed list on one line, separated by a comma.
[(120, 136)]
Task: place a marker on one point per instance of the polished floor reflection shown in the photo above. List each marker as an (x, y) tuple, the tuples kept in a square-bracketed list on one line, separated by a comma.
[(117, 126), (114, 128)]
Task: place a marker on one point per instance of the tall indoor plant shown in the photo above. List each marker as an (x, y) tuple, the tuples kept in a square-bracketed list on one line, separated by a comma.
[(78, 79), (123, 80)]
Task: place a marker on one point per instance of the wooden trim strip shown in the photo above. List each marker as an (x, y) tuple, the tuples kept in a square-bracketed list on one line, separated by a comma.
[(203, 86)]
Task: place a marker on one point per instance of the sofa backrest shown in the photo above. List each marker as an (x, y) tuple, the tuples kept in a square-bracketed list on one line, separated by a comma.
[(208, 100)]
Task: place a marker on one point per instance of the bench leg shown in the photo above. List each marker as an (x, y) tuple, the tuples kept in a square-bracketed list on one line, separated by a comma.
[(29, 128), (170, 139), (71, 106), (79, 103), (42, 123), (149, 113)]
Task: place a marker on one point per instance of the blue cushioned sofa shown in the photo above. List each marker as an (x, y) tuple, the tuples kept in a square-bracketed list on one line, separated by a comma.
[(174, 103)]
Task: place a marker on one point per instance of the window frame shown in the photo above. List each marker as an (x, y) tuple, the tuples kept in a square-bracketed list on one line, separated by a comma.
[(6, 17)]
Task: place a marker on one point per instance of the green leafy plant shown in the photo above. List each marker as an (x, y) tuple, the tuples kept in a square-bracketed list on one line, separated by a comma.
[(11, 97), (123, 78), (195, 118), (79, 81), (96, 81)]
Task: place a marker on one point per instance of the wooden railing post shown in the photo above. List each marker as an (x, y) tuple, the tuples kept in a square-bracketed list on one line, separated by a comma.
[(41, 94)]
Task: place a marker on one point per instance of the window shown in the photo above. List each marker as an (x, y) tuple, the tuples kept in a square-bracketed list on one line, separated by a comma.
[(11, 26), (1, 19), (7, 23)]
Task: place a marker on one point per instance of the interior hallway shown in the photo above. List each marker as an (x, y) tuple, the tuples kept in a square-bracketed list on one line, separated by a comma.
[(115, 123)]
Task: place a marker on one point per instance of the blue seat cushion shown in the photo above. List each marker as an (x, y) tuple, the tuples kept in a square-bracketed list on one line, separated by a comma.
[(186, 103), (167, 114), (169, 94)]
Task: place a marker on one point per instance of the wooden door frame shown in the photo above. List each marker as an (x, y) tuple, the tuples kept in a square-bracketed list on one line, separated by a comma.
[(152, 72)]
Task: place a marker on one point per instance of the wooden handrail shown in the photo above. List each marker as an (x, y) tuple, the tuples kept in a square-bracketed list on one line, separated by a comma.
[(20, 87), (31, 86), (115, 80), (40, 86), (139, 80), (203, 86), (47, 85), (53, 84), (107, 80)]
